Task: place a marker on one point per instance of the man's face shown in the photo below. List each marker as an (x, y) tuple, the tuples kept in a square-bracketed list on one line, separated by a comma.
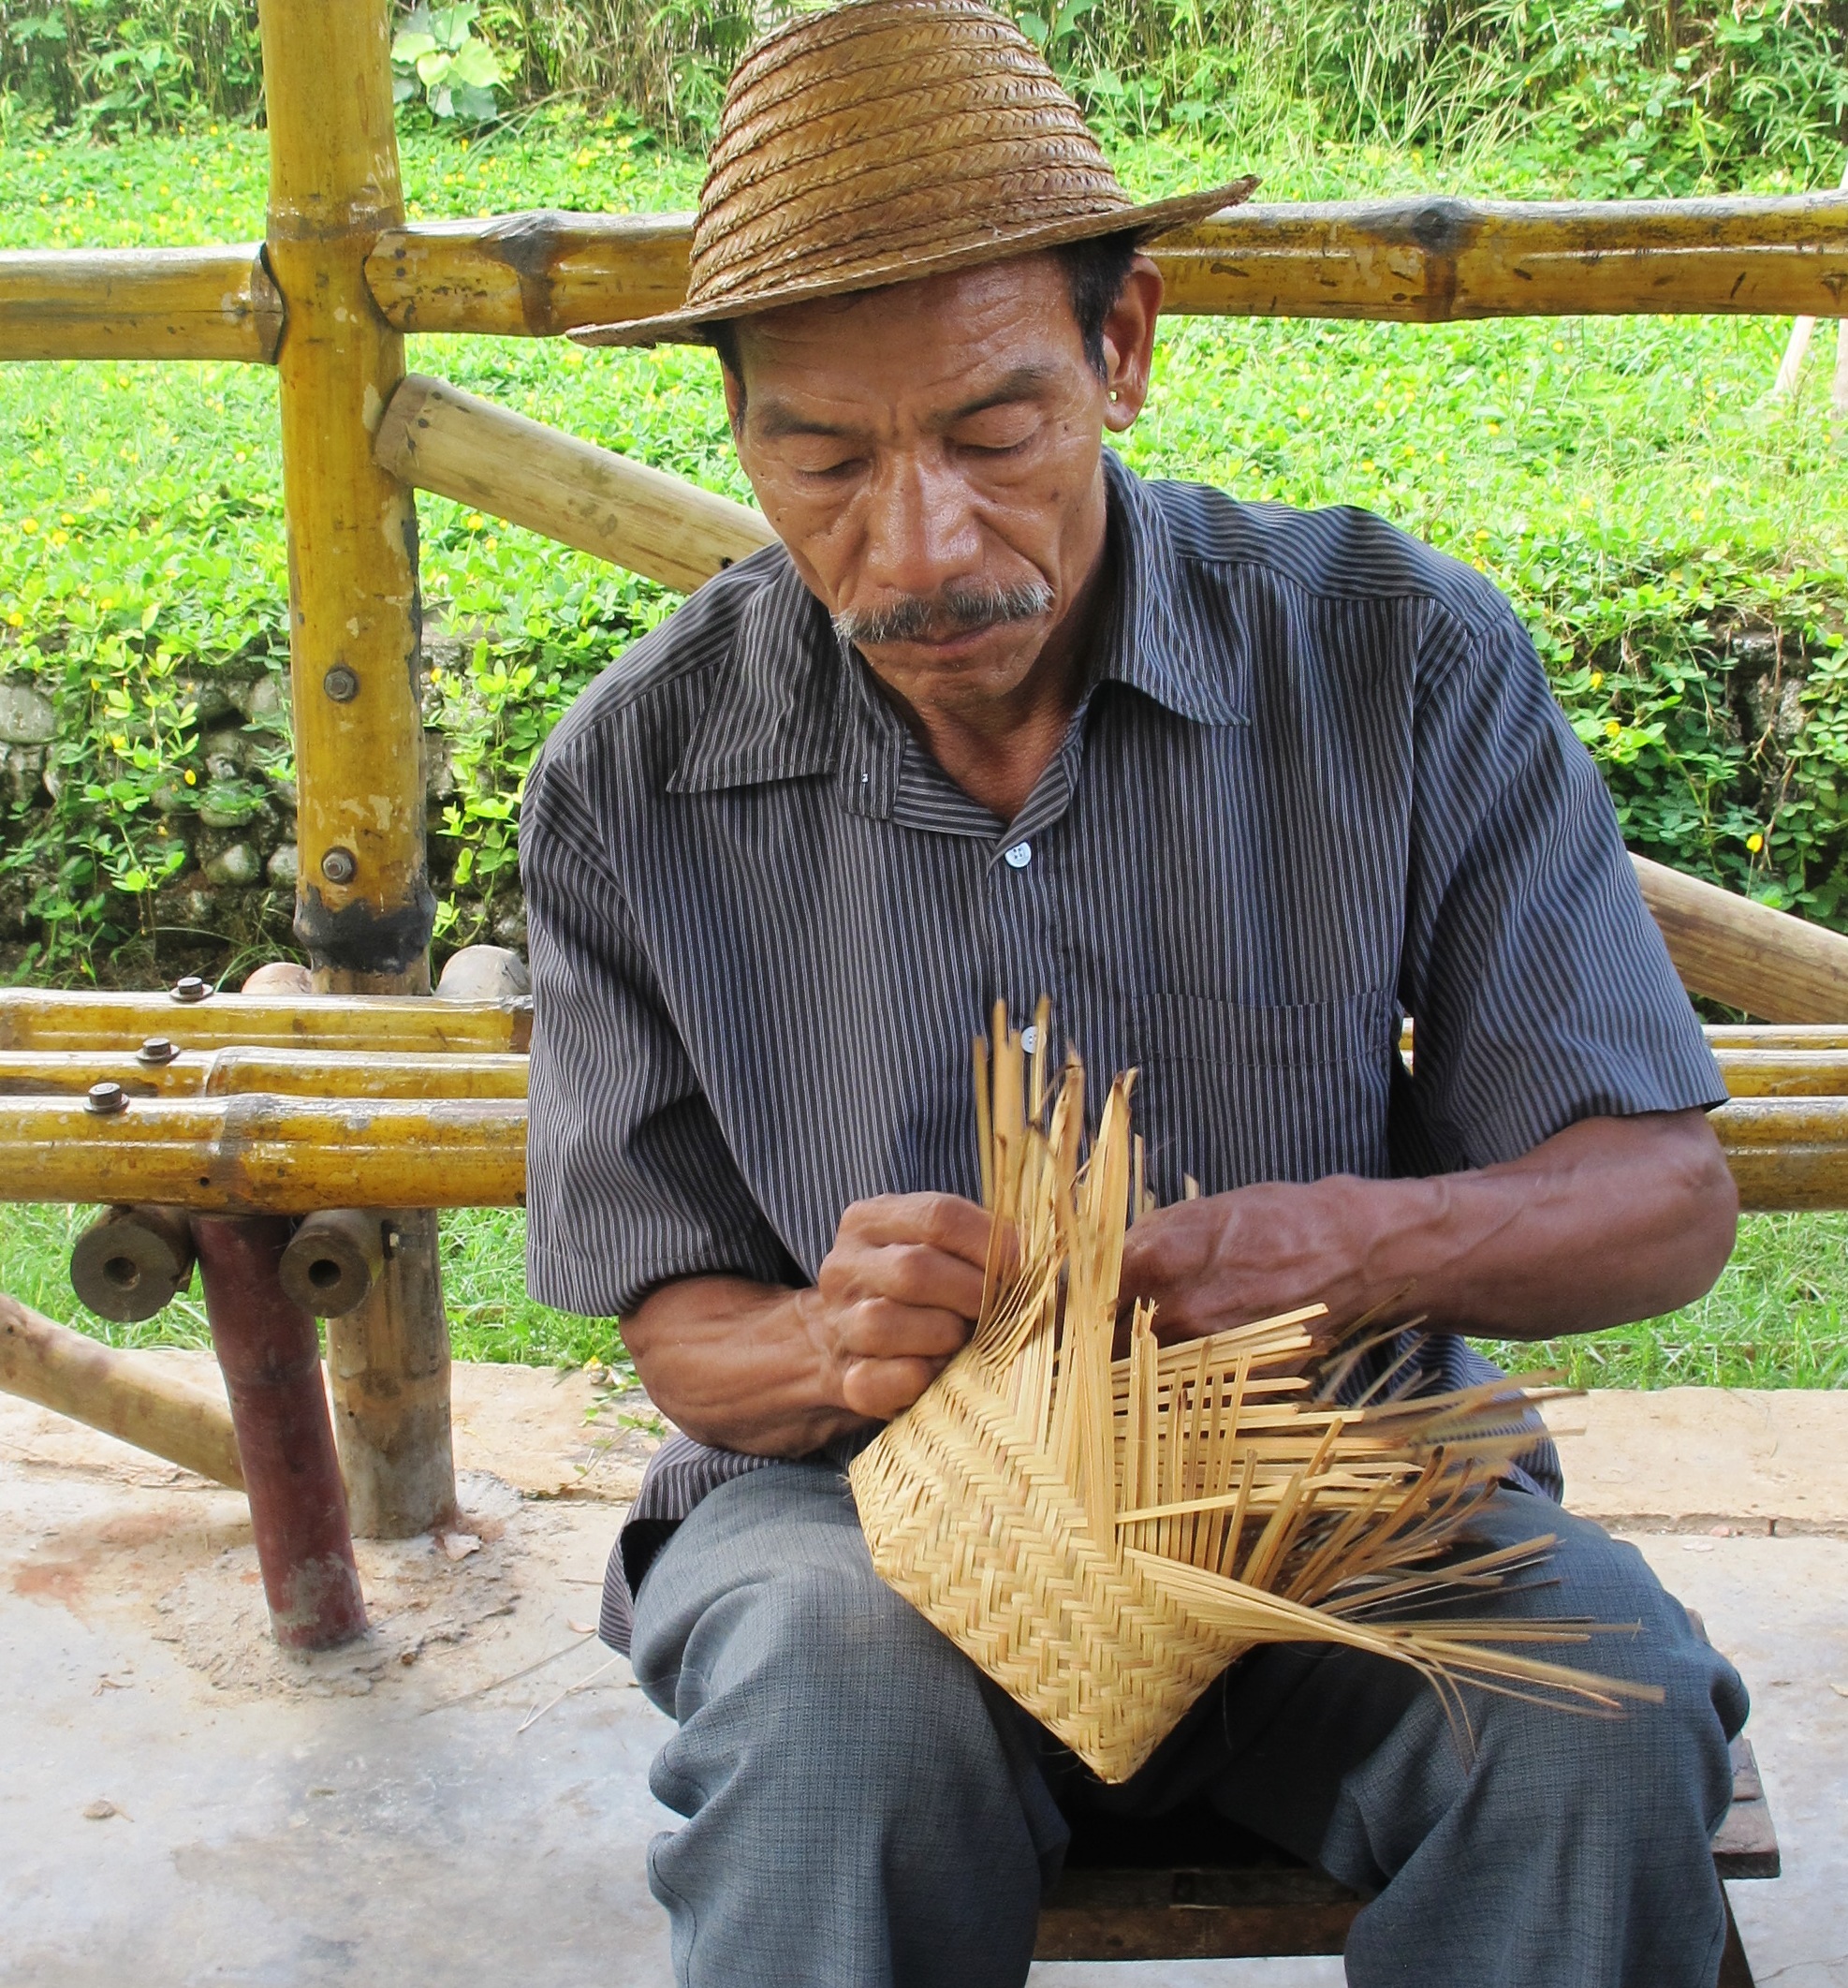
[(931, 456)]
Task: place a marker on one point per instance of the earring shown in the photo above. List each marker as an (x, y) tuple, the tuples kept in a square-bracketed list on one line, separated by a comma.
[(1115, 394)]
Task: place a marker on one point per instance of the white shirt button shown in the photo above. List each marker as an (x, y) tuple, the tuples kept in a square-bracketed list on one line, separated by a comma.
[(1019, 856), (1030, 1039)]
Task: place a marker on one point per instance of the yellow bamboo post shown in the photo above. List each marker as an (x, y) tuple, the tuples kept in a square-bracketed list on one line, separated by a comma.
[(363, 906)]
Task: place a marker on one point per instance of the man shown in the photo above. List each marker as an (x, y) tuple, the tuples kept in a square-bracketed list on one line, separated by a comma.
[(1239, 789)]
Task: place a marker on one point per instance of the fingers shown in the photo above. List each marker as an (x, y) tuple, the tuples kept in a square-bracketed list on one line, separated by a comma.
[(942, 1222), (881, 1329), (881, 1389)]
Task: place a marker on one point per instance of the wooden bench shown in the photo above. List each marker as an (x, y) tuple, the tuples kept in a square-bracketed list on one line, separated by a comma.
[(1193, 1886)]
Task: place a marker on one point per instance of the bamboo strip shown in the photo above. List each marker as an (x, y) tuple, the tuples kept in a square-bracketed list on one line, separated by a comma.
[(1076, 1543), (48, 1019)]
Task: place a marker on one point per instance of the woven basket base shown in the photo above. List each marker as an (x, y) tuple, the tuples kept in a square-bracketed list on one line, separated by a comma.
[(974, 1525)]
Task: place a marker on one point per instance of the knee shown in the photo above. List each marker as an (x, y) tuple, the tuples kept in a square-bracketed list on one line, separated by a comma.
[(827, 1642)]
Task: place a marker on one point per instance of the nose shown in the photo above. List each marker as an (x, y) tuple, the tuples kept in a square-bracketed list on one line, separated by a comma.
[(919, 528)]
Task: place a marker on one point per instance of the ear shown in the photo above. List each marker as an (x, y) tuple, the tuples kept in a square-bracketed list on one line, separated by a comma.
[(734, 393), (1129, 344)]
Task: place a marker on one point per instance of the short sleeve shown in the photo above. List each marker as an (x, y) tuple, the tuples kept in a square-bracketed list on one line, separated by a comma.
[(1541, 989), (630, 1184)]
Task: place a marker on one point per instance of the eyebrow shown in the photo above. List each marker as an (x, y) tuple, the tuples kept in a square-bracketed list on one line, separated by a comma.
[(775, 421)]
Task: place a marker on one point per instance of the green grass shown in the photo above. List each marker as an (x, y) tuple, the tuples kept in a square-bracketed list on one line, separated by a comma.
[(1625, 479), (484, 1292)]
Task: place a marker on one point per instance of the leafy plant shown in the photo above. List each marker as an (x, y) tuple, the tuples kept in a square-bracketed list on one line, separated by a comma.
[(438, 52)]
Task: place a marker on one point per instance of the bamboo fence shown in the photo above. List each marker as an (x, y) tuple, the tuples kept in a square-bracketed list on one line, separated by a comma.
[(327, 297)]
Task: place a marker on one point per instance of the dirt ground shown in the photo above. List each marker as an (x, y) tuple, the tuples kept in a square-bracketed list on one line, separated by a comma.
[(462, 1797)]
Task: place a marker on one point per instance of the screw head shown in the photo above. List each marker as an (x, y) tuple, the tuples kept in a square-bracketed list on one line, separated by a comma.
[(155, 1050), (339, 866), (191, 988), (106, 1099), (340, 684)]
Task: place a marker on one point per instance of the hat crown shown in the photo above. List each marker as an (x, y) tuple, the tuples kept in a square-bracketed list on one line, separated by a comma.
[(885, 135)]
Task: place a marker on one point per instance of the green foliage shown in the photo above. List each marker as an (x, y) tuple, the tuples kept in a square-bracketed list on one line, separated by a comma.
[(1635, 95), (1677, 545), (438, 53), (106, 66)]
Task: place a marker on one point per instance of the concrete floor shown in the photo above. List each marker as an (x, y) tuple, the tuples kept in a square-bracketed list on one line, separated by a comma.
[(178, 1805)]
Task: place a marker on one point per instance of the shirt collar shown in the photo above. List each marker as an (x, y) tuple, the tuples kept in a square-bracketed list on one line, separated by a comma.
[(792, 701)]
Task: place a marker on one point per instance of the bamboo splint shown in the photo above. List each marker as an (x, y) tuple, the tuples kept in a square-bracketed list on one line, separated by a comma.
[(1104, 1535)]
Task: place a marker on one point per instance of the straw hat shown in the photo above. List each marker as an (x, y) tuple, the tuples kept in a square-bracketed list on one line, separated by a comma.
[(883, 141)]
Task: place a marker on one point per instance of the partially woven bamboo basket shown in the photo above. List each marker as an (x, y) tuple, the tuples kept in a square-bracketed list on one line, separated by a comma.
[(1103, 1537)]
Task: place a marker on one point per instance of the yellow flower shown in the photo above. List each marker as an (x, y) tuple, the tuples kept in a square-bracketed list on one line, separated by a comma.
[(60, 537), (28, 526), (474, 521), (16, 620), (65, 517), (119, 742), (1559, 345), (1597, 680), (1493, 427), (1754, 842), (491, 543), (1612, 728), (192, 778)]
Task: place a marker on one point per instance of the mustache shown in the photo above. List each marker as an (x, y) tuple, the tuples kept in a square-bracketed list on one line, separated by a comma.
[(958, 609)]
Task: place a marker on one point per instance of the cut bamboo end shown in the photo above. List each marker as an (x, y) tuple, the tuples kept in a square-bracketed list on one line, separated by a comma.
[(140, 303)]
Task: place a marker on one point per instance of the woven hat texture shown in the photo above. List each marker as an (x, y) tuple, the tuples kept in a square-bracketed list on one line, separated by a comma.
[(885, 140)]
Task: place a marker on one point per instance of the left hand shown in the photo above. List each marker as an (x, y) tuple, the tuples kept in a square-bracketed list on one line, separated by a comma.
[(1251, 1254)]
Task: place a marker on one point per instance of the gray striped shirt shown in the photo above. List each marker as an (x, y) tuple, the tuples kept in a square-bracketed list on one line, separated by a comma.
[(1318, 783)]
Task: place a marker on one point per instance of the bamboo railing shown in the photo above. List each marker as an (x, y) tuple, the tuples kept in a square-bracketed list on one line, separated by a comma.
[(272, 1154), (1427, 260), (373, 1094)]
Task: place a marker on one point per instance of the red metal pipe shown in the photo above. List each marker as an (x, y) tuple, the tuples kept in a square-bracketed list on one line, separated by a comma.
[(272, 1359)]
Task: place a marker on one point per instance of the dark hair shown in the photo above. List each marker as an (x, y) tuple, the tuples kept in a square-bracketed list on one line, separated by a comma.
[(1095, 273)]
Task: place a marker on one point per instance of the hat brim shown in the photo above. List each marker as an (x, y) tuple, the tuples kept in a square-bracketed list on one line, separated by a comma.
[(1146, 221)]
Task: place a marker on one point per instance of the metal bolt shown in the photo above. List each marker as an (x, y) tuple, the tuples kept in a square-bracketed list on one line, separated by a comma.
[(340, 684), (339, 866), (106, 1099), (155, 1050), (191, 988)]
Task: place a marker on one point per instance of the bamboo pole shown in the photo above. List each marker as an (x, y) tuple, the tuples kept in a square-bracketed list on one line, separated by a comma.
[(1726, 947), (268, 1154), (363, 906), (285, 1073), (1752, 1069), (439, 438), (135, 1398), (1427, 259), (46, 1019), (139, 303)]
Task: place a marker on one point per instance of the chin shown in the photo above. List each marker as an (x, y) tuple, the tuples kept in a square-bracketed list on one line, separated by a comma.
[(992, 660)]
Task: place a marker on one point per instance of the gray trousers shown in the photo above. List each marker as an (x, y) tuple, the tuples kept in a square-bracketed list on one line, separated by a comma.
[(864, 1810)]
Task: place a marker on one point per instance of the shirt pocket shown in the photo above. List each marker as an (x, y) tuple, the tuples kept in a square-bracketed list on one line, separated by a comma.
[(1234, 1095)]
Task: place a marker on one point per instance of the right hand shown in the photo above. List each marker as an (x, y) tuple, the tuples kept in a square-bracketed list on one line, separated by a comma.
[(897, 1297)]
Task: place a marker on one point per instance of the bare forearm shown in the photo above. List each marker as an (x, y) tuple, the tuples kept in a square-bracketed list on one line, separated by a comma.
[(1610, 1220), (732, 1363), (774, 1371)]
